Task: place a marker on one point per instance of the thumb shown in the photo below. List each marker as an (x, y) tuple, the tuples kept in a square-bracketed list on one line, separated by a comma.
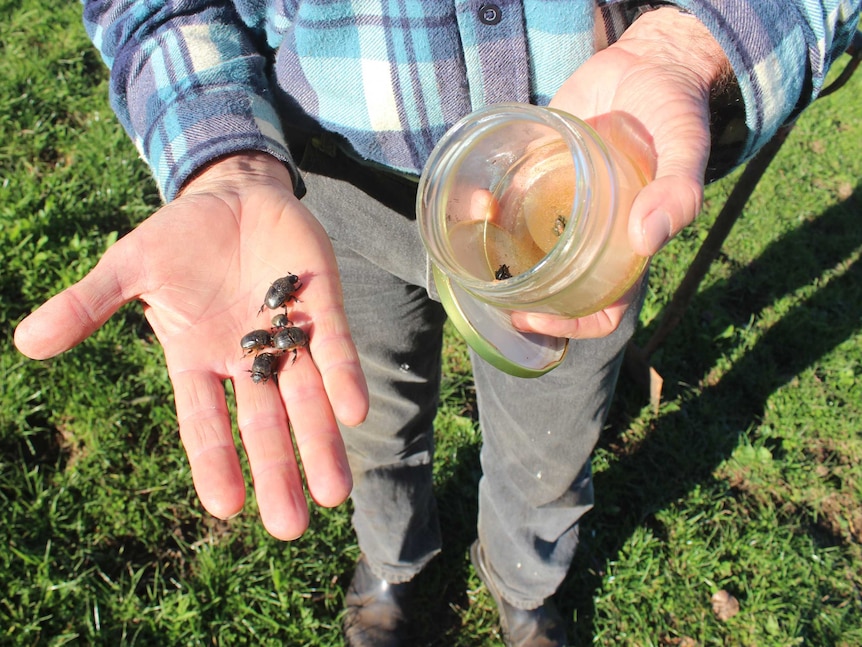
[(71, 316), (674, 198), (661, 210)]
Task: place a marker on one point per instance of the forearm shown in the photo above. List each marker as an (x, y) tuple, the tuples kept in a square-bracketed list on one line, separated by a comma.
[(779, 52), (187, 83)]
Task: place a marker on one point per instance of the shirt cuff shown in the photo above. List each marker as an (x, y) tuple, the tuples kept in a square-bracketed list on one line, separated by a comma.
[(190, 134), (768, 52)]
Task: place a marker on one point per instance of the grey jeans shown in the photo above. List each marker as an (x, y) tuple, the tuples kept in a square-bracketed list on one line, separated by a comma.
[(538, 433)]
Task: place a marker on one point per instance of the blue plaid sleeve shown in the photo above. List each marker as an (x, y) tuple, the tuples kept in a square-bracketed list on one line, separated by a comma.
[(780, 51), (190, 79), (187, 83)]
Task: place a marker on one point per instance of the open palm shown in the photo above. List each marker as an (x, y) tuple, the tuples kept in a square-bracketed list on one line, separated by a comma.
[(202, 265)]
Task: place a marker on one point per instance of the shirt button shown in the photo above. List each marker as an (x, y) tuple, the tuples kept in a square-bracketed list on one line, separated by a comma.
[(490, 14)]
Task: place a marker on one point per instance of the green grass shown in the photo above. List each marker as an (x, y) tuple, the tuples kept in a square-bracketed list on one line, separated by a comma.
[(747, 479)]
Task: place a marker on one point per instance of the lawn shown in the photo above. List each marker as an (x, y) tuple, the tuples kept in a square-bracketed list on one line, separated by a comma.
[(746, 480)]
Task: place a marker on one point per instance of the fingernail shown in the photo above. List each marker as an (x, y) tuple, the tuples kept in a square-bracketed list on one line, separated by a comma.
[(656, 230), (521, 320)]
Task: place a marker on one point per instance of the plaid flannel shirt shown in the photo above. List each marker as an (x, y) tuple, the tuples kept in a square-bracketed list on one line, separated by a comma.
[(192, 80)]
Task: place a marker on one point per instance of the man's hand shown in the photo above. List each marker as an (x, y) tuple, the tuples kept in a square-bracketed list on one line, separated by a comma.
[(659, 76), (202, 265)]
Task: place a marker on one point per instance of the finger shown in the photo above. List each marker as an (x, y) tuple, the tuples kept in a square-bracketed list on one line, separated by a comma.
[(332, 349), (483, 206), (266, 438), (71, 316), (593, 326), (598, 324), (337, 361), (672, 201), (205, 432), (318, 440), (661, 210)]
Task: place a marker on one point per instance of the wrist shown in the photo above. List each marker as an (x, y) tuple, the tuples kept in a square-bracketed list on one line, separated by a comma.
[(671, 36), (238, 171)]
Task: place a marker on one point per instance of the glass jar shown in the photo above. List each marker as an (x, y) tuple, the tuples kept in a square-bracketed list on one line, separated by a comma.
[(526, 208)]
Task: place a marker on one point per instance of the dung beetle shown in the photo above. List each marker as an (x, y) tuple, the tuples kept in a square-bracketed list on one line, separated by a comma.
[(559, 226), (256, 341), (264, 367), (503, 273), (280, 292), (291, 338), (280, 321)]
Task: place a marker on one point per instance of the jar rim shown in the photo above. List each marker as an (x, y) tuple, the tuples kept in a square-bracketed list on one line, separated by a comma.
[(555, 265)]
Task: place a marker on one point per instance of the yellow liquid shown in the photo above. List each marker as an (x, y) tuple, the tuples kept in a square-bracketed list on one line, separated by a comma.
[(529, 210), (547, 207), (529, 213), (481, 248)]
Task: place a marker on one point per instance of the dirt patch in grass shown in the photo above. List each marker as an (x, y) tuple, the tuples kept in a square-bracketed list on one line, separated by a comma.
[(824, 497)]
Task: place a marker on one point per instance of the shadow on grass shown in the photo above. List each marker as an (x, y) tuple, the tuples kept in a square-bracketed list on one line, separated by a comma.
[(684, 447)]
